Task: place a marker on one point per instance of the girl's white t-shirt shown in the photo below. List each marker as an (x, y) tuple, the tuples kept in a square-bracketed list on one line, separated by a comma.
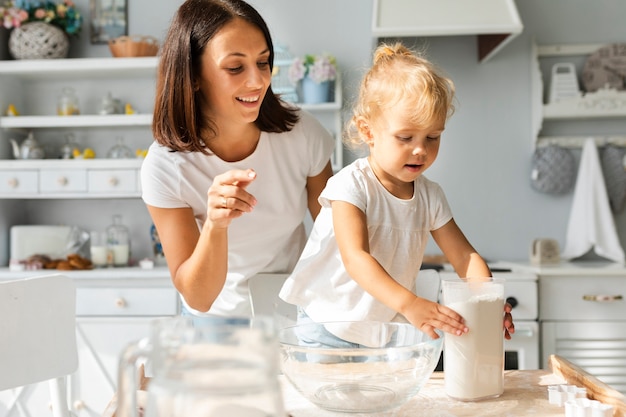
[(398, 233), (271, 237)]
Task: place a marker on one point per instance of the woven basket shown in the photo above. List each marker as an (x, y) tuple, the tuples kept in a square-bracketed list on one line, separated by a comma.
[(134, 46), (38, 40)]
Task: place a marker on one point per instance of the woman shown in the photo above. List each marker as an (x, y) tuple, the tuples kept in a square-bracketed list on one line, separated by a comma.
[(233, 168)]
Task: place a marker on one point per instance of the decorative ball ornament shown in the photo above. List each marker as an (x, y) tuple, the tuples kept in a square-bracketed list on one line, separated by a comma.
[(606, 67), (38, 40)]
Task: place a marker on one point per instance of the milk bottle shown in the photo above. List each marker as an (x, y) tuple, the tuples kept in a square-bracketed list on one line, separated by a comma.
[(474, 362)]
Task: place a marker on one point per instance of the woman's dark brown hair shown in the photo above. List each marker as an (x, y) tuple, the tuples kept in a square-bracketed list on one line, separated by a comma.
[(178, 121)]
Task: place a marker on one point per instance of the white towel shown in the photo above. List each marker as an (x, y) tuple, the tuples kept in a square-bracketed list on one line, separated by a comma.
[(591, 223)]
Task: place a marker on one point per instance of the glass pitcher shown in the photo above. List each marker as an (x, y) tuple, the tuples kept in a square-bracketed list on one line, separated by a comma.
[(222, 367)]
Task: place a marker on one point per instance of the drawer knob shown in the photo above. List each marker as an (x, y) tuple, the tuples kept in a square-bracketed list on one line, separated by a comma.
[(79, 405), (602, 298), (62, 181), (13, 182), (121, 302), (113, 181)]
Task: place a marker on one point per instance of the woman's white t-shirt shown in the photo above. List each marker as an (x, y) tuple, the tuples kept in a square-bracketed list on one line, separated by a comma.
[(398, 233), (271, 237)]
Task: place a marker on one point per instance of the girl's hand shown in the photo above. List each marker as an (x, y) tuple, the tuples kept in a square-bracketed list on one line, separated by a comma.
[(428, 316), (227, 197), (509, 327)]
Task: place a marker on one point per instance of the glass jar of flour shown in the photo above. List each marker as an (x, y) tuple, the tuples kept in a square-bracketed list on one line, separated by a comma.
[(473, 363)]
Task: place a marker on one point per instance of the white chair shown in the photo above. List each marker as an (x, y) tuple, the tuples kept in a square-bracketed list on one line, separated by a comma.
[(428, 284), (264, 289), (38, 335)]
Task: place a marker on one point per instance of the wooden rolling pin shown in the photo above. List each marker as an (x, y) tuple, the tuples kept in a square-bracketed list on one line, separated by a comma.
[(596, 389)]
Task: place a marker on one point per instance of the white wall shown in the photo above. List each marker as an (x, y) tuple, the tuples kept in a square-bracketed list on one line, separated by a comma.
[(484, 162)]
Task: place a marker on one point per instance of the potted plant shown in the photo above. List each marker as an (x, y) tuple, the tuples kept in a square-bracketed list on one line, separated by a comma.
[(314, 73), (40, 29)]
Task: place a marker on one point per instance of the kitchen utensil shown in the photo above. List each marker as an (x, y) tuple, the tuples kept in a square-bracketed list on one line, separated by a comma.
[(474, 362), (363, 379), (28, 149), (563, 82), (220, 367)]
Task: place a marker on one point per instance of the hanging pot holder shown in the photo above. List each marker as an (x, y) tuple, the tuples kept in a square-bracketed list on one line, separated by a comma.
[(614, 176), (553, 170)]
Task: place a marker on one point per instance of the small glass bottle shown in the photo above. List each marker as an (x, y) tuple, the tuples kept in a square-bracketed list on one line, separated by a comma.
[(118, 242), (68, 103)]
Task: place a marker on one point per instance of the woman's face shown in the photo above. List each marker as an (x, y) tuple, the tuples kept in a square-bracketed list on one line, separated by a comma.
[(235, 73)]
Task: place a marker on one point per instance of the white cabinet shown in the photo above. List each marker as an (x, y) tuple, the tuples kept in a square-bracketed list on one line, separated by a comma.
[(114, 307), (569, 121), (583, 319), (33, 87)]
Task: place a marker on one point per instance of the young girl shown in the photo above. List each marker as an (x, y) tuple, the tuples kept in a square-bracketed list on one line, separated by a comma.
[(367, 244)]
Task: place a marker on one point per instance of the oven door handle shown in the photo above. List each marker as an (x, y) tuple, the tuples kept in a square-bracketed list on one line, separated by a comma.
[(602, 298)]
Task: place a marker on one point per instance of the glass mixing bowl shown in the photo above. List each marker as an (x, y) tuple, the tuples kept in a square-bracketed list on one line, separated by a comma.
[(391, 369)]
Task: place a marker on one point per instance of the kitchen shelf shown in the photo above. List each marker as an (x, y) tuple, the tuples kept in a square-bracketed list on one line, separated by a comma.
[(34, 122), (600, 105), (71, 68)]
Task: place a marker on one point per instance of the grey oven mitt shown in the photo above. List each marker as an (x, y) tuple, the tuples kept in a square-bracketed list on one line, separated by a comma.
[(553, 170), (614, 172)]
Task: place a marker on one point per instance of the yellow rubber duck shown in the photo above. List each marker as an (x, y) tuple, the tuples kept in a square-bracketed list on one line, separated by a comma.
[(12, 111)]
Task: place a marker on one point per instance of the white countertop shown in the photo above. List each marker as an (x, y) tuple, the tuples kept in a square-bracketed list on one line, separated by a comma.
[(122, 273), (598, 268)]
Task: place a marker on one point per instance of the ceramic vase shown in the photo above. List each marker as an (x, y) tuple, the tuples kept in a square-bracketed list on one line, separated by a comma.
[(38, 40), (313, 93)]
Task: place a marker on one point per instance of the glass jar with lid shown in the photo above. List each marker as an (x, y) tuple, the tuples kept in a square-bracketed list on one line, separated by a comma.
[(118, 242), (68, 102)]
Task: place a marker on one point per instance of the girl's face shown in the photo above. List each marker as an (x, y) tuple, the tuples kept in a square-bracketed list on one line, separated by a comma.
[(235, 73), (400, 151)]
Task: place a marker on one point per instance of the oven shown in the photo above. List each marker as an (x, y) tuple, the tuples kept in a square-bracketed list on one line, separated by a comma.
[(521, 291)]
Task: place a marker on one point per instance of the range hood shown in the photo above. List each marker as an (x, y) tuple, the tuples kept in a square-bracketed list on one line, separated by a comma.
[(495, 22)]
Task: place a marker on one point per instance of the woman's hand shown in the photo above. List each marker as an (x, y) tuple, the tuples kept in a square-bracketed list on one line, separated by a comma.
[(509, 327), (227, 197)]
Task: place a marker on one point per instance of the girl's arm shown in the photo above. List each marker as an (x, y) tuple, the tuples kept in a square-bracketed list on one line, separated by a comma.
[(198, 259), (467, 262), (350, 227), (459, 252)]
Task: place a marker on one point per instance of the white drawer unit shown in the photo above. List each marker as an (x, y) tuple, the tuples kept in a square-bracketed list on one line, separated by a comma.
[(113, 180), (63, 180), (124, 301), (19, 182), (88, 178), (583, 319), (584, 298)]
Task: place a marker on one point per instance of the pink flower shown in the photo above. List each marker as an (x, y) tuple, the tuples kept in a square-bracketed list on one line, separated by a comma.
[(40, 14)]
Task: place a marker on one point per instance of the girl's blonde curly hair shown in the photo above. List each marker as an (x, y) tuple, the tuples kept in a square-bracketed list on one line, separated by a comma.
[(401, 78)]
